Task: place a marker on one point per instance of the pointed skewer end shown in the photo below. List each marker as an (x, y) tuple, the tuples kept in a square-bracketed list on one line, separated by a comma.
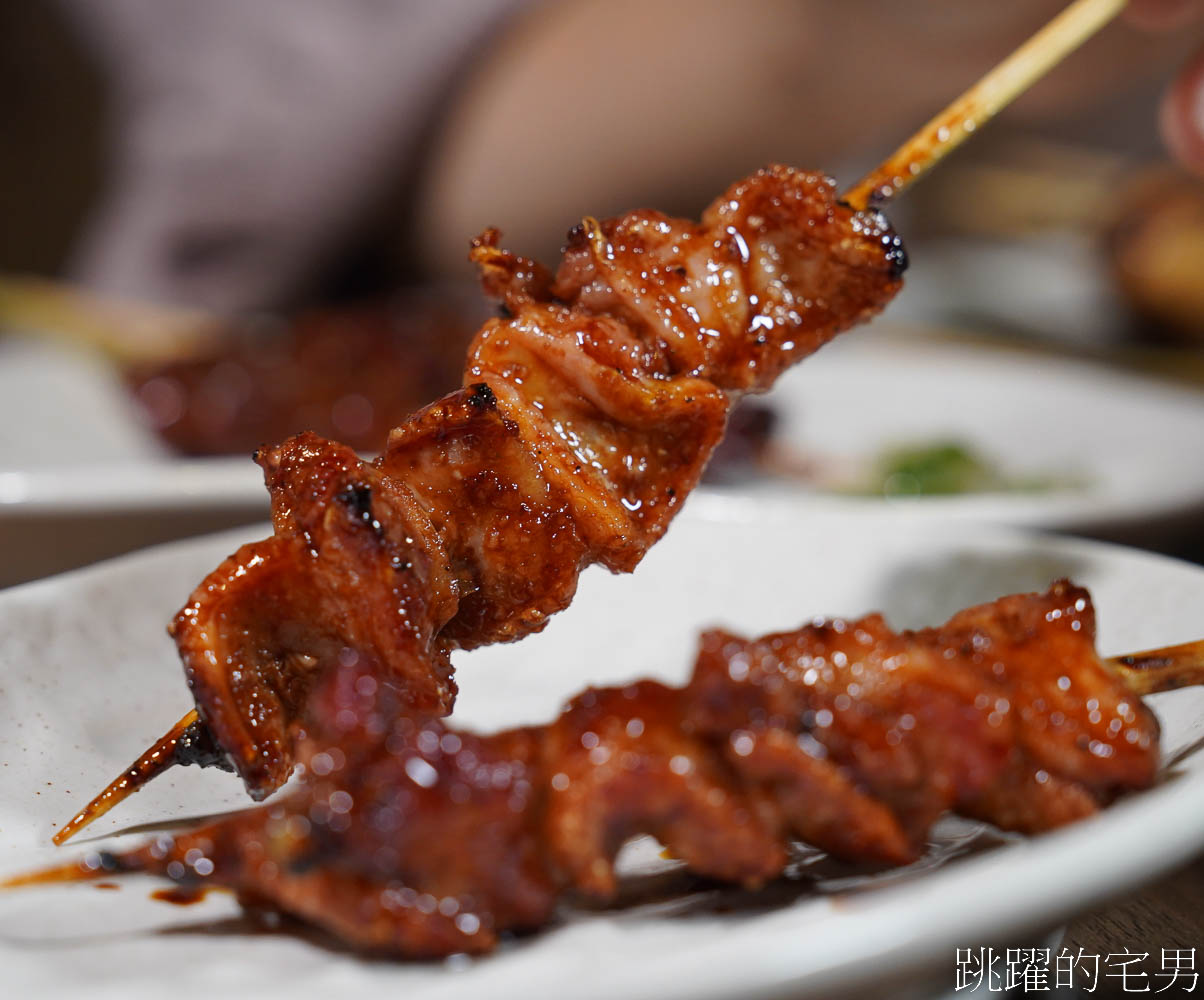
[(186, 742)]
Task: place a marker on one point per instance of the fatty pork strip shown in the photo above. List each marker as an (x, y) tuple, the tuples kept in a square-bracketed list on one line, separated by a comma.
[(411, 838), (588, 414)]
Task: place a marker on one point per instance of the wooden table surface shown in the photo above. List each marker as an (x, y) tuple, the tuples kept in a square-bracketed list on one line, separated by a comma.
[(1167, 914)]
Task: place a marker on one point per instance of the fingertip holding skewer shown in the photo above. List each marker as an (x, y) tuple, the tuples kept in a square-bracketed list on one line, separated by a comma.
[(187, 742), (978, 105)]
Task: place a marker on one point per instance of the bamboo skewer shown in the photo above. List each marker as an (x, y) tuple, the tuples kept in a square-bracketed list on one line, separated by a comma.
[(187, 742), (978, 105)]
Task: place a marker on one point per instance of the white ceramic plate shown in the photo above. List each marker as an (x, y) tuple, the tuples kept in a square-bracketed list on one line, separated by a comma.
[(81, 478), (88, 679), (1129, 443)]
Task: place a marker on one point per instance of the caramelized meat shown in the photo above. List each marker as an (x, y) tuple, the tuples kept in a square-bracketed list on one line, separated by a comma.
[(1005, 714), (587, 416), (412, 838)]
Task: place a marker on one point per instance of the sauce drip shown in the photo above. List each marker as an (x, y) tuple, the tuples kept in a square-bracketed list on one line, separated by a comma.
[(181, 895)]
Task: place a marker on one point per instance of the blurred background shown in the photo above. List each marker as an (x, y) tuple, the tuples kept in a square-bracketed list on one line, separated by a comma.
[(224, 223), (294, 153)]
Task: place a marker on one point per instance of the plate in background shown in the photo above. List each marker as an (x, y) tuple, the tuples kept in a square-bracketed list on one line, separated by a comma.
[(82, 478), (1131, 446), (71, 440)]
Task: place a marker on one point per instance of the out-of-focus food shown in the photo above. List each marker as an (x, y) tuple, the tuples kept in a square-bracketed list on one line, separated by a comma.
[(413, 838), (947, 468), (348, 373), (1155, 250), (747, 450), (123, 330)]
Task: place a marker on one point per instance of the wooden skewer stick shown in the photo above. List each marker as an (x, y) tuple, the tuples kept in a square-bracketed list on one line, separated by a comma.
[(983, 101), (187, 742), (1162, 669), (99, 865)]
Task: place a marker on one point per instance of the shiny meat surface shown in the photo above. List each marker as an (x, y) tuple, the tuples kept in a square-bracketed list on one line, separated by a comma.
[(412, 838), (1005, 714), (587, 416)]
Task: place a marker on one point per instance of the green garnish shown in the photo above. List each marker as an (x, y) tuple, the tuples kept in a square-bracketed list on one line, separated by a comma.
[(947, 468)]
